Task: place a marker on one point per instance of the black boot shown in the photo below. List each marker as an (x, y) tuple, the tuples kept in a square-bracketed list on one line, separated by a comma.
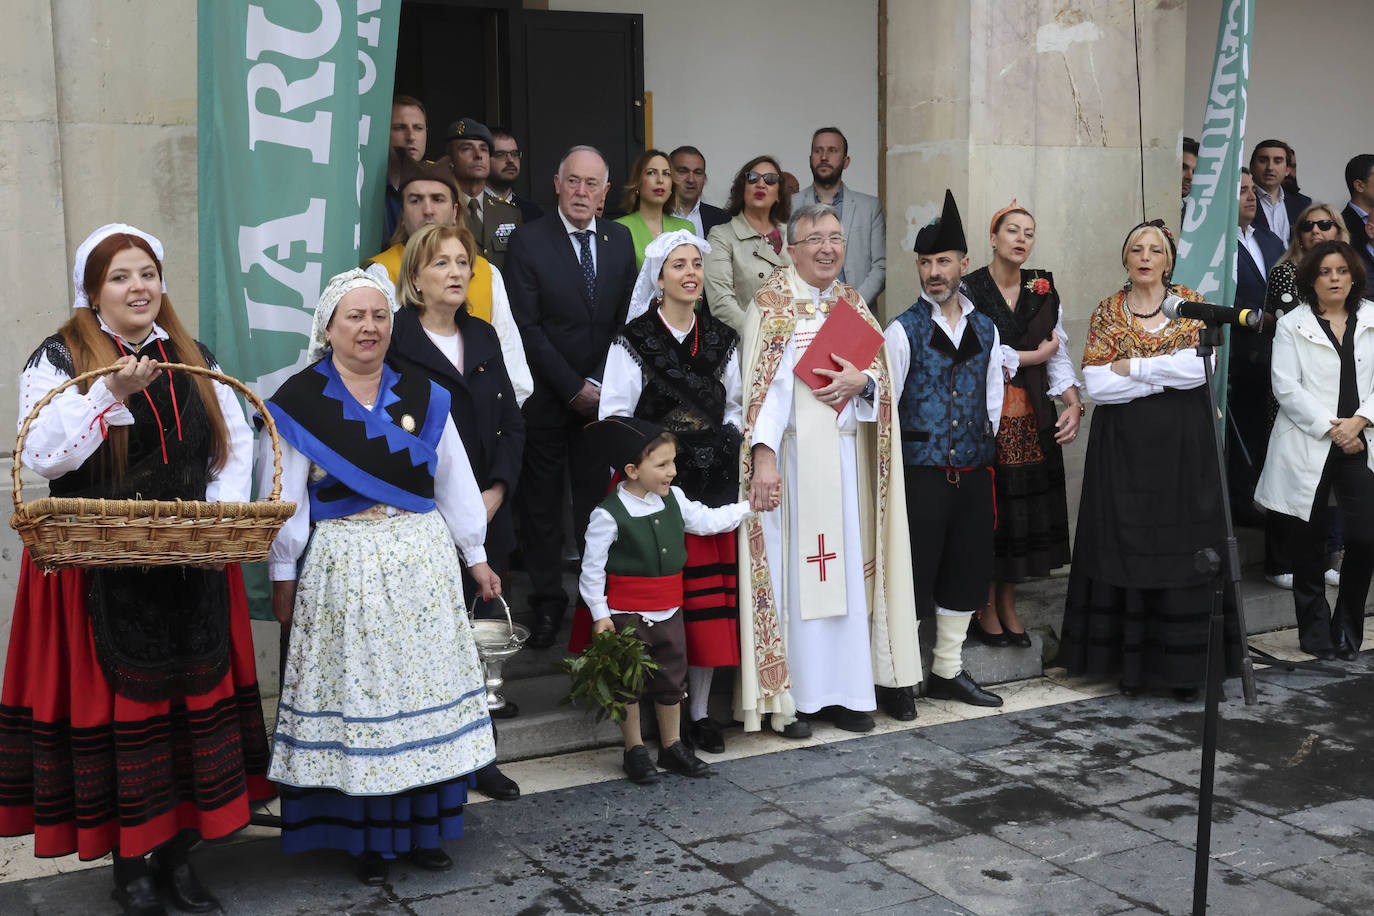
[(172, 871), (134, 890)]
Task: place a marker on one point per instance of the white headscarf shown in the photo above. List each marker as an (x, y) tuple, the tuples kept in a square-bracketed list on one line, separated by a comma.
[(655, 253), (338, 285), (83, 252)]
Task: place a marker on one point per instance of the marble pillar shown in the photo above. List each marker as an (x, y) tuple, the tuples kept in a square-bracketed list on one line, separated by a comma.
[(1038, 101)]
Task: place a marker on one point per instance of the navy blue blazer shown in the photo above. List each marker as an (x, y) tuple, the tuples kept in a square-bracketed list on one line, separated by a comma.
[(1293, 203), (566, 332), (482, 404), (1250, 281)]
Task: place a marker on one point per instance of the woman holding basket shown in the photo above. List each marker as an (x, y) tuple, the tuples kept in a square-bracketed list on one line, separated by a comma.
[(130, 720)]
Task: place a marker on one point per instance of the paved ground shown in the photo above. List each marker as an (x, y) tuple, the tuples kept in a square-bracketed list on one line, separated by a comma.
[(1082, 807)]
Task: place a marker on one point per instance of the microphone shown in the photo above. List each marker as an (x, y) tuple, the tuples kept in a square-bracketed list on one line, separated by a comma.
[(1213, 314)]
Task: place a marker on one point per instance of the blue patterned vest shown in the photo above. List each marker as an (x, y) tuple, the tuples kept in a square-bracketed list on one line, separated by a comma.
[(943, 409)]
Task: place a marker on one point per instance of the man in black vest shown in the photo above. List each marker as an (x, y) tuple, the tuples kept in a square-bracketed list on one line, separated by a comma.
[(947, 378)]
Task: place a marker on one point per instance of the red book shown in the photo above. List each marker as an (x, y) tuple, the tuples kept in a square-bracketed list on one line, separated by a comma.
[(844, 333)]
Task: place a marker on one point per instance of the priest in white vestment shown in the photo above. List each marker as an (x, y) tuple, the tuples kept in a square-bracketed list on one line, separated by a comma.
[(827, 607)]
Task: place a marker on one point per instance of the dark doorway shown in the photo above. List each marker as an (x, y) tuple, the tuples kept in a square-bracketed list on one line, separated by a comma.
[(556, 79)]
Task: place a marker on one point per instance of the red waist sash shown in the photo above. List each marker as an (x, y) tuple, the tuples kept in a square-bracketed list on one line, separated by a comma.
[(636, 594)]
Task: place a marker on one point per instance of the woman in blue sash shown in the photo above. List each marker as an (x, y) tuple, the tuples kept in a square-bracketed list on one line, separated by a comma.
[(383, 714)]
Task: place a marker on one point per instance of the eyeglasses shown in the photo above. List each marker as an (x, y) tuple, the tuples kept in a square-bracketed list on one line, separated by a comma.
[(507, 154), (1325, 225), (768, 178), (812, 241)]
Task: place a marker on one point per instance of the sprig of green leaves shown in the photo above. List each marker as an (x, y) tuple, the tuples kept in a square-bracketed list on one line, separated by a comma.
[(609, 673)]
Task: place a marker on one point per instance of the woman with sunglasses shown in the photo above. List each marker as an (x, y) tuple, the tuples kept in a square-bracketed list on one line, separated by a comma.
[(746, 250), (1317, 224), (1323, 377)]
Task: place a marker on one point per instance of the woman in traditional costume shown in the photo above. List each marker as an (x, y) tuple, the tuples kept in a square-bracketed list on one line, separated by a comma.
[(677, 366), (383, 717), (130, 721), (1138, 606), (1032, 534), (434, 332)]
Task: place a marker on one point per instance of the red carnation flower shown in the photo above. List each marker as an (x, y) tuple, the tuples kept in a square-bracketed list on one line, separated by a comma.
[(1041, 286)]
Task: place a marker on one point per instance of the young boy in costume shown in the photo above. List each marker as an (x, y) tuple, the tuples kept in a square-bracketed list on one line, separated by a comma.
[(632, 574)]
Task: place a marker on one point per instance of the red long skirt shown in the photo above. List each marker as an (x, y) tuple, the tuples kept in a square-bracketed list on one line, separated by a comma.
[(710, 604), (86, 770)]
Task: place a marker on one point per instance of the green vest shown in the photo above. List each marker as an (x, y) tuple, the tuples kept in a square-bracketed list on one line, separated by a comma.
[(650, 545)]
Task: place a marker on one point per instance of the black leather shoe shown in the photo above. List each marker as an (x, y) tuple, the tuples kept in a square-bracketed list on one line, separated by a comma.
[(544, 632), (492, 783), (181, 884), (1185, 694), (1130, 690), (1020, 640), (705, 735), (1347, 654), (139, 898), (848, 719), (897, 702), (371, 868), (431, 859), (961, 687), (678, 758), (798, 728), (639, 767), (995, 640), (509, 711)]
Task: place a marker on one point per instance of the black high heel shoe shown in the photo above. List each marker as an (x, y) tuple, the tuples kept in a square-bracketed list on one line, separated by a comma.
[(995, 640)]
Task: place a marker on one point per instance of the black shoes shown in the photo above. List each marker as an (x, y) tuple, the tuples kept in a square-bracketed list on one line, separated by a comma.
[(639, 767), (848, 719), (1130, 690), (1347, 654), (961, 687), (897, 702), (182, 886), (1185, 694), (678, 758), (545, 631), (798, 728), (995, 640), (431, 859), (492, 783), (509, 711), (371, 868), (139, 898), (1020, 640), (705, 735)]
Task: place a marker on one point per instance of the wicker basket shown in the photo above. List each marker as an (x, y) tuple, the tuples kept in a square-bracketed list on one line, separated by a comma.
[(63, 532)]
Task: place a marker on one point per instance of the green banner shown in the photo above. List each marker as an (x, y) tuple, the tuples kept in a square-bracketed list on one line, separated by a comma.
[(1210, 236), (294, 116)]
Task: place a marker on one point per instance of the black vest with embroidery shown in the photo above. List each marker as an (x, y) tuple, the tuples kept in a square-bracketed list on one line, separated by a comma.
[(160, 632), (683, 393)]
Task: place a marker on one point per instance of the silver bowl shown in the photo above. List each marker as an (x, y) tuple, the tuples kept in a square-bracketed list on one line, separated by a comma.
[(497, 640)]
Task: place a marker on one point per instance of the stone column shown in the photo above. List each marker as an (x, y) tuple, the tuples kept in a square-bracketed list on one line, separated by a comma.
[(1035, 100)]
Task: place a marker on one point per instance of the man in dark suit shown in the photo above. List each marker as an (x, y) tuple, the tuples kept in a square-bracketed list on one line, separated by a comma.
[(1278, 209), (1359, 213), (569, 276), (491, 220), (1248, 400), (505, 169), (689, 174)]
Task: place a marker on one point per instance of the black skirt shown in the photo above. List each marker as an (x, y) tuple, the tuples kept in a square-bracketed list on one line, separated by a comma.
[(1138, 606)]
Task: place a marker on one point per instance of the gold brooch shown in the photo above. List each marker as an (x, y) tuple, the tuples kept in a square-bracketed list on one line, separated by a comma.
[(407, 423)]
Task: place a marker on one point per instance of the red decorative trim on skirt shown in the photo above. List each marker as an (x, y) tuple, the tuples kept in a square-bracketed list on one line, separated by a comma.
[(89, 771)]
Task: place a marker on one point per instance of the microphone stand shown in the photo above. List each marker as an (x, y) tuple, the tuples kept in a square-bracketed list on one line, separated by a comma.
[(1207, 560)]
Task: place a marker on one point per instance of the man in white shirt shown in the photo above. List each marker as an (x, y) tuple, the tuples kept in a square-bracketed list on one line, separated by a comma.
[(1278, 208), (689, 175)]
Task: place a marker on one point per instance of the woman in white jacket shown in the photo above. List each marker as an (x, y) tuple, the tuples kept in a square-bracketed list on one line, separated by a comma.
[(1323, 379)]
